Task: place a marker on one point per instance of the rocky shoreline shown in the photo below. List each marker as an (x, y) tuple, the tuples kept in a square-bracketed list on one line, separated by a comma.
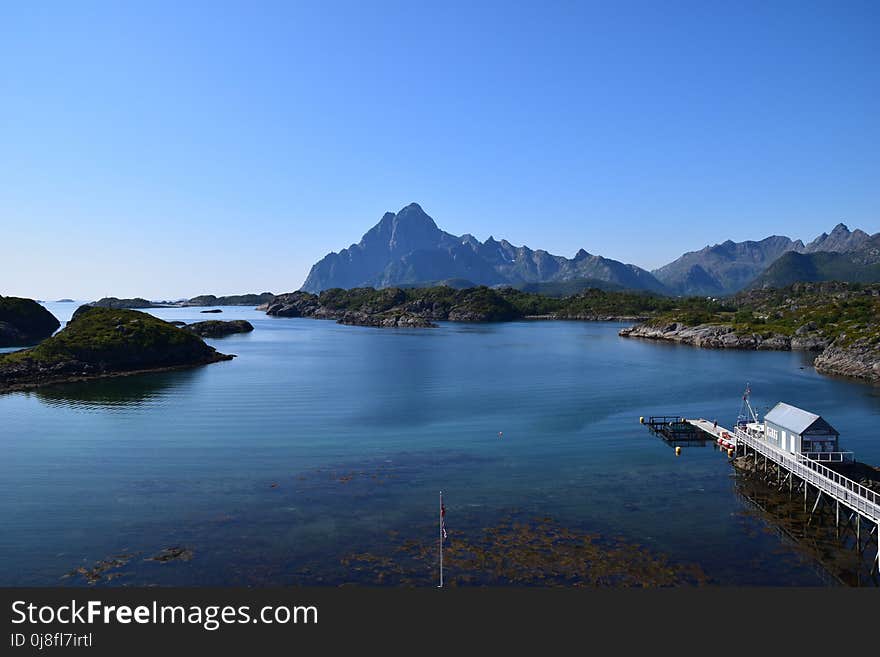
[(858, 359), (720, 336)]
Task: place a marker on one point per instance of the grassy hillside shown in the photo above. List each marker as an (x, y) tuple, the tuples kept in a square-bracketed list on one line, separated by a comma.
[(849, 311)]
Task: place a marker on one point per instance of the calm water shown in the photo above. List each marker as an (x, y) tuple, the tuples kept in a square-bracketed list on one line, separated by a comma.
[(322, 440)]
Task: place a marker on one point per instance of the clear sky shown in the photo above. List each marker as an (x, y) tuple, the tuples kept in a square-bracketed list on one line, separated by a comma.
[(168, 149)]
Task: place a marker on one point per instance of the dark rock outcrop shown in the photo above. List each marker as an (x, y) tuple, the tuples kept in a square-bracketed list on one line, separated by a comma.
[(394, 307), (213, 328), (385, 320), (212, 311), (101, 342), (24, 322)]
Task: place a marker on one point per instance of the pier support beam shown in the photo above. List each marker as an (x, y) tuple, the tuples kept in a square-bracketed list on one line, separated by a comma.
[(815, 506)]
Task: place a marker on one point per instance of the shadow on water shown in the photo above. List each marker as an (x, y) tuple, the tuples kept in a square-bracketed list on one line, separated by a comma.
[(817, 540), (115, 392)]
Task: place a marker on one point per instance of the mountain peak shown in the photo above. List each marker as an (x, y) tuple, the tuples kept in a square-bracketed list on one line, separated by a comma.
[(409, 248), (412, 208), (840, 228)]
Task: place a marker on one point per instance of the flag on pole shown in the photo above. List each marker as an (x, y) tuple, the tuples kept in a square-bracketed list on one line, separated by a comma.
[(443, 519)]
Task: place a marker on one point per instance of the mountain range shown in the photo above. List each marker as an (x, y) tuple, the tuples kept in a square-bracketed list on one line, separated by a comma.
[(407, 249), (860, 265)]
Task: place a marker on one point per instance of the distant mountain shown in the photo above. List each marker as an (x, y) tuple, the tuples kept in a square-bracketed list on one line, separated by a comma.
[(732, 266), (723, 268), (408, 249), (859, 266), (840, 240)]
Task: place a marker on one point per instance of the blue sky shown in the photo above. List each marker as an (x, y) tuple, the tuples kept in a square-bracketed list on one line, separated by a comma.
[(169, 149)]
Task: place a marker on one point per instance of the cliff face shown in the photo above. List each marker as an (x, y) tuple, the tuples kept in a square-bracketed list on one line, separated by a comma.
[(24, 322), (409, 249), (104, 342)]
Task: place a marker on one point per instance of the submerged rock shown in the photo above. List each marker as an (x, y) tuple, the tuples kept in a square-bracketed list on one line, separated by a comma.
[(172, 554), (213, 310)]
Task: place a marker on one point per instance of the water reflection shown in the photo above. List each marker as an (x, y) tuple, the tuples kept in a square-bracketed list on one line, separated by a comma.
[(817, 541), (114, 392)]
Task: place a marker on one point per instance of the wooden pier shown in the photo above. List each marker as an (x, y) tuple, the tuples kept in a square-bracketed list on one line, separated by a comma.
[(853, 504), (675, 430)]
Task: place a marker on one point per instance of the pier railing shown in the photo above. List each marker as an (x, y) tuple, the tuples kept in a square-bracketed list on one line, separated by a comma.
[(849, 492)]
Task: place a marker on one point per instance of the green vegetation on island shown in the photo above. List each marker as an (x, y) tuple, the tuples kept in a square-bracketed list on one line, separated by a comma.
[(231, 300), (834, 310), (841, 321), (101, 342)]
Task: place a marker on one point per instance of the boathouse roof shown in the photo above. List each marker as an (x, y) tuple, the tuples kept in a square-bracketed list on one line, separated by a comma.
[(797, 420)]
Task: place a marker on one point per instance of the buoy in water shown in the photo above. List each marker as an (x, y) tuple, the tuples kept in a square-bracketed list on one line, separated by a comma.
[(677, 450), (500, 434), (642, 420)]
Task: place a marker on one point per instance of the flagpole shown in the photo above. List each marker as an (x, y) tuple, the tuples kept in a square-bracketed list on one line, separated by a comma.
[(441, 540)]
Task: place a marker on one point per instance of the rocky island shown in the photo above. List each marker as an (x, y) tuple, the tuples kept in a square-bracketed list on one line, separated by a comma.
[(231, 300), (201, 300), (421, 307), (137, 302), (24, 322), (102, 342), (213, 328)]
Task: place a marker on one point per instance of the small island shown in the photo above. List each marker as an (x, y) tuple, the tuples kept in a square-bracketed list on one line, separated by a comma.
[(213, 328), (104, 342), (24, 322)]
